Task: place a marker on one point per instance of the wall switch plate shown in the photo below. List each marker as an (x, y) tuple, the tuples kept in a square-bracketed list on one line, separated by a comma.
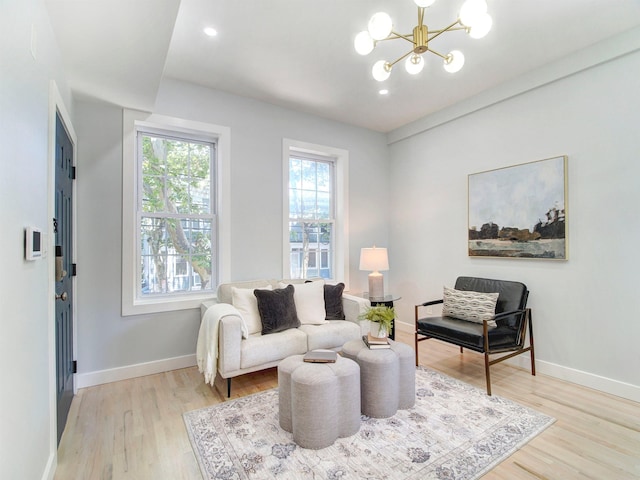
[(33, 243)]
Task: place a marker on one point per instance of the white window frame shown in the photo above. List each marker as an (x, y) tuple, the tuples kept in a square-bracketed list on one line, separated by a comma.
[(341, 234), (133, 121)]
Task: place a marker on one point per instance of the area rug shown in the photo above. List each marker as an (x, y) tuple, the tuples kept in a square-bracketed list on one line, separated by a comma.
[(454, 431)]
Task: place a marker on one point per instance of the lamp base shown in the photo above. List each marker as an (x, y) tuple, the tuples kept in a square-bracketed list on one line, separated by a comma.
[(376, 286)]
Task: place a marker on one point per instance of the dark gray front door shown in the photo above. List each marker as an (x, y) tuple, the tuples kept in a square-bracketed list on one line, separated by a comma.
[(63, 228)]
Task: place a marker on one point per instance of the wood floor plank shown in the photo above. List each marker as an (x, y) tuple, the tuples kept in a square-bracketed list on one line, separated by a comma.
[(134, 429)]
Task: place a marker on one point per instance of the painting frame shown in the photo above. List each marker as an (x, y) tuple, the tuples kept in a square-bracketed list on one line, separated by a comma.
[(519, 211)]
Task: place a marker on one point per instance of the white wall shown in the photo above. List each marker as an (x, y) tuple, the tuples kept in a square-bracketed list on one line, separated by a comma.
[(27, 426), (583, 308), (108, 341)]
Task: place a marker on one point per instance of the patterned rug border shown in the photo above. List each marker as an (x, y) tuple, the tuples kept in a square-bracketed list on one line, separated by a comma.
[(455, 469)]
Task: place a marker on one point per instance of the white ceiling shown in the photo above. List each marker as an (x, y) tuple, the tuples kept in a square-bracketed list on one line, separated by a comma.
[(299, 53)]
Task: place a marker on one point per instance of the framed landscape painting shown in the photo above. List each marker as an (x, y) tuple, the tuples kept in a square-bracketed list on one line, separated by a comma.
[(519, 211)]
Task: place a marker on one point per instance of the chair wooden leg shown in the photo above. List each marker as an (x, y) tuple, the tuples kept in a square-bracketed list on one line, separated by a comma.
[(488, 374), (533, 356), (533, 362), (485, 339)]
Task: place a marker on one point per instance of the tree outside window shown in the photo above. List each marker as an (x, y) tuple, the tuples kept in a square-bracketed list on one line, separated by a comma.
[(311, 216), (176, 214)]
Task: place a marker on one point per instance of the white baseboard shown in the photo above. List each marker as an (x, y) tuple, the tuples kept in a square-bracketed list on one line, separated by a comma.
[(50, 469), (99, 377), (590, 380), (405, 327), (579, 377)]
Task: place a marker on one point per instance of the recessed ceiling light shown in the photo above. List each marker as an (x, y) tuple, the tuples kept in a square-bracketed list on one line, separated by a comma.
[(384, 91), (210, 31)]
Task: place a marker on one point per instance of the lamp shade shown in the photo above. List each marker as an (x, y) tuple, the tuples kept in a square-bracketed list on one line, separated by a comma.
[(374, 259)]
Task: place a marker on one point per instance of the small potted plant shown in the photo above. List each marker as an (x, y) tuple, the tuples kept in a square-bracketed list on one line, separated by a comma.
[(381, 318)]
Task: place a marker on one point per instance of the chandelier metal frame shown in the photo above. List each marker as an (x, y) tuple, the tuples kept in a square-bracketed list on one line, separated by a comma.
[(472, 18), (420, 38)]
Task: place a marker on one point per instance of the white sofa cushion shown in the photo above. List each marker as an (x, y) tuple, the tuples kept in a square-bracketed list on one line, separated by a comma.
[(247, 304), (309, 300), (263, 349), (334, 333)]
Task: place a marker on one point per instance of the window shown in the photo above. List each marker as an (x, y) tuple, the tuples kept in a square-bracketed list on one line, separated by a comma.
[(175, 236), (176, 214), (315, 211)]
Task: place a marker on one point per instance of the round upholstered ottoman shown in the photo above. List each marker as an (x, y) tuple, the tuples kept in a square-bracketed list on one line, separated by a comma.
[(319, 402), (387, 377)]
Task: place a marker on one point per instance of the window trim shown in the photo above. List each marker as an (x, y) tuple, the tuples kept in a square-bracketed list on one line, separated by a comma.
[(341, 174), (133, 121)]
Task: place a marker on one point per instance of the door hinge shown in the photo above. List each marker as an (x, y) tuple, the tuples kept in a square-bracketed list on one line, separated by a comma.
[(74, 366), (73, 173), (74, 270)]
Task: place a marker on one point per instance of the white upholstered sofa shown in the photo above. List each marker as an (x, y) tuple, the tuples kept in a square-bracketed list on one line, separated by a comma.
[(239, 331)]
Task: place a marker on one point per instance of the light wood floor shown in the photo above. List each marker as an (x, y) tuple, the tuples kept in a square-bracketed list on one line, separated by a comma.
[(133, 429)]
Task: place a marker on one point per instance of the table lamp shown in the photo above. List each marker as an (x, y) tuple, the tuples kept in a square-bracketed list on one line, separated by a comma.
[(374, 260)]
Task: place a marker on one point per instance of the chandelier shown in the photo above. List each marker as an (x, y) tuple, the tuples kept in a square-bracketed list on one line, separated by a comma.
[(472, 18)]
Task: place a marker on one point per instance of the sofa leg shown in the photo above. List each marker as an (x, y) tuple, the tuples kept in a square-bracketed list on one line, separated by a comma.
[(486, 368), (228, 387)]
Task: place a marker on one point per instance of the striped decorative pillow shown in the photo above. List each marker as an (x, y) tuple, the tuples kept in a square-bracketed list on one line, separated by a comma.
[(470, 306)]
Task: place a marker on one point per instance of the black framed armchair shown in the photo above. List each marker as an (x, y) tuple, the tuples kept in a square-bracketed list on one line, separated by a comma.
[(503, 332)]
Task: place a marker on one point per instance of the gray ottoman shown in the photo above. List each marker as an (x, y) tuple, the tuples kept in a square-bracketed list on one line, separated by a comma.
[(387, 377), (319, 402)]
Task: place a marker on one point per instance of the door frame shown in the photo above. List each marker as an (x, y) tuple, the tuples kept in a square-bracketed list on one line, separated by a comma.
[(57, 107)]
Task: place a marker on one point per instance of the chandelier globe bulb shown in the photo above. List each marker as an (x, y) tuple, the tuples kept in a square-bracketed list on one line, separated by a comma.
[(363, 43), (414, 64), (380, 26), (454, 61), (472, 18), (481, 27), (471, 11), (381, 70)]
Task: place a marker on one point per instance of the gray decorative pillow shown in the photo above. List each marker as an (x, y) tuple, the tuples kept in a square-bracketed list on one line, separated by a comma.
[(470, 306), (333, 301), (277, 309)]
